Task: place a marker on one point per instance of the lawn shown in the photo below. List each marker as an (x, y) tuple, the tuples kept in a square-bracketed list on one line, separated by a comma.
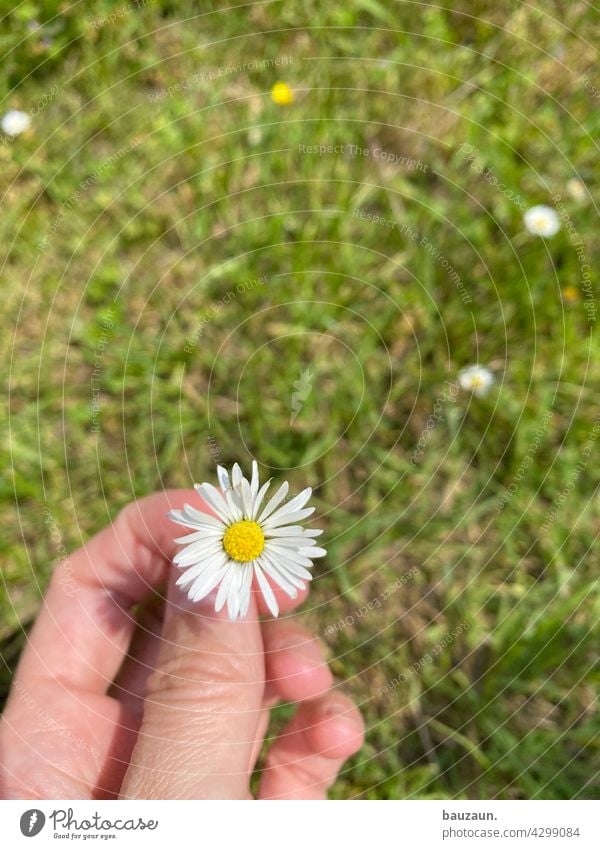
[(192, 272)]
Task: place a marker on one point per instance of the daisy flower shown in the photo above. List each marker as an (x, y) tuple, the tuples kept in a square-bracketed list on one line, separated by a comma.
[(542, 221), (15, 122), (476, 379), (282, 94), (245, 538)]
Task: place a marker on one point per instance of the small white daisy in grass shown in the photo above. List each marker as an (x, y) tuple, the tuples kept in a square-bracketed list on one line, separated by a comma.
[(476, 379), (15, 122), (576, 189), (542, 221), (244, 539)]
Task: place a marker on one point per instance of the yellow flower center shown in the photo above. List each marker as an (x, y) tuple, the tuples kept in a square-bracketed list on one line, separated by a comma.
[(244, 541)]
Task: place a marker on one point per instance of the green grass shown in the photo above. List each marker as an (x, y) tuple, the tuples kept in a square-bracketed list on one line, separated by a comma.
[(188, 195)]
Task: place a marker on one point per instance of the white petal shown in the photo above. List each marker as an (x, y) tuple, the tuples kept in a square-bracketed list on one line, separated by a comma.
[(277, 520), (287, 531), (295, 542), (191, 574), (254, 481), (288, 583), (234, 502), (223, 592), (286, 572), (290, 576), (201, 518), (205, 533), (278, 553), (289, 543), (274, 502), (215, 499), (196, 552), (206, 583), (313, 551), (265, 588), (179, 519), (190, 518), (248, 569), (236, 475), (290, 535), (259, 498), (223, 476), (210, 565), (247, 499), (280, 579), (233, 596), (295, 568), (295, 504)]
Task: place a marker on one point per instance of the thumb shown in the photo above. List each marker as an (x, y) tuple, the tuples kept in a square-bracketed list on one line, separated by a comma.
[(202, 706)]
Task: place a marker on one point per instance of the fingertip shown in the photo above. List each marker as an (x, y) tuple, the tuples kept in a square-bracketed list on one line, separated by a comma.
[(296, 676), (307, 756), (296, 669), (338, 730)]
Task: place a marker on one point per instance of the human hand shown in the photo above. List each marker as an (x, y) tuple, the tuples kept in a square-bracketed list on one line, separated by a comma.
[(174, 705)]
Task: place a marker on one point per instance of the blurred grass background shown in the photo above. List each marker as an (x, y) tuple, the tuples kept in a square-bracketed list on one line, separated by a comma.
[(150, 185)]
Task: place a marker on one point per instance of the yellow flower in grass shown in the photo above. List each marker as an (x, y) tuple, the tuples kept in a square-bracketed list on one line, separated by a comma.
[(570, 294), (282, 94)]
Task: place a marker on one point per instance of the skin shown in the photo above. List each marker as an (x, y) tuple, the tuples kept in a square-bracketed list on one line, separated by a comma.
[(170, 701)]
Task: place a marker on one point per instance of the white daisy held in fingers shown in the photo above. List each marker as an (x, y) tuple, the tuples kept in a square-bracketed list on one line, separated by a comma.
[(14, 122), (476, 379), (245, 538), (542, 221)]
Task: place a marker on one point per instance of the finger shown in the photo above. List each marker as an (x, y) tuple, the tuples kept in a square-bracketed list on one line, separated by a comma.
[(73, 741), (305, 760), (202, 708), (85, 624), (60, 735), (295, 666), (129, 686), (295, 670), (140, 660)]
